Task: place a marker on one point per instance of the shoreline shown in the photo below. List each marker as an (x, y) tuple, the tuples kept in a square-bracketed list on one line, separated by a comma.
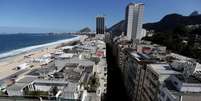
[(34, 48), (8, 64)]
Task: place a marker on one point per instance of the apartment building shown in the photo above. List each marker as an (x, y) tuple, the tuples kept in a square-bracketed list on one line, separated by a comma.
[(155, 76), (179, 88), (134, 73)]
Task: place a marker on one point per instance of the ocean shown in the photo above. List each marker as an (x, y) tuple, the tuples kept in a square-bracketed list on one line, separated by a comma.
[(13, 44)]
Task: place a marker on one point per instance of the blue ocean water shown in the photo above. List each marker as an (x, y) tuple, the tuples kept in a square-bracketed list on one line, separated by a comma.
[(9, 42)]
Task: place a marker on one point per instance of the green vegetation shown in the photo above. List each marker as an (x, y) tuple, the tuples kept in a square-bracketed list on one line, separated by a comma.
[(37, 93), (2, 93), (182, 40), (54, 90), (93, 84), (31, 66), (95, 59)]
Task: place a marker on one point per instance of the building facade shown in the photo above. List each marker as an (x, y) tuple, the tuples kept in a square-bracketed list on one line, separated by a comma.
[(134, 20), (100, 25)]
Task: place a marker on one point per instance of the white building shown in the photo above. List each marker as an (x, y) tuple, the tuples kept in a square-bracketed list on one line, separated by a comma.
[(101, 71), (19, 88), (23, 66), (71, 92), (177, 88), (134, 20), (143, 34)]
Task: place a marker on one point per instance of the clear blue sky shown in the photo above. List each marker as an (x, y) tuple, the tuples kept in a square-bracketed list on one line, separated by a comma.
[(72, 15)]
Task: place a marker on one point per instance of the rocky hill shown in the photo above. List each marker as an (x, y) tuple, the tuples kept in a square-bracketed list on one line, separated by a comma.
[(171, 21)]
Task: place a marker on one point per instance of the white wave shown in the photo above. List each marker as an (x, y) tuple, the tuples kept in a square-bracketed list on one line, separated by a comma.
[(31, 48)]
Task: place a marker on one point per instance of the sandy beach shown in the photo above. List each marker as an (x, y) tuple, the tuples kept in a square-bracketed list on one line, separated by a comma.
[(8, 65)]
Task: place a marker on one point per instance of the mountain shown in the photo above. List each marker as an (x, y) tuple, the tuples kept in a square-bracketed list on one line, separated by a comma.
[(118, 28), (166, 24), (171, 21), (195, 13), (180, 34), (86, 29)]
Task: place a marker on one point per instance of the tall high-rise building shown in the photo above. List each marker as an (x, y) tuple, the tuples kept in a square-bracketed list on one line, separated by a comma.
[(100, 25), (134, 20)]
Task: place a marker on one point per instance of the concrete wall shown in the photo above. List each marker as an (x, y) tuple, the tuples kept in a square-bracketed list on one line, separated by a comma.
[(185, 87), (166, 94), (15, 92)]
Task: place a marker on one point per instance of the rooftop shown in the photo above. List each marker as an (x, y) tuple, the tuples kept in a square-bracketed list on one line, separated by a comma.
[(71, 87), (68, 47), (140, 57), (39, 71), (179, 57), (66, 55), (50, 82), (100, 16), (174, 88), (72, 75), (190, 79), (20, 84), (19, 98), (135, 4), (27, 79), (76, 60), (17, 86), (91, 97), (69, 91), (163, 69)]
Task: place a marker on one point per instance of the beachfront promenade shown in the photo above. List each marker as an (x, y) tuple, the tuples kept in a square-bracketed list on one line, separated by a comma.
[(8, 65), (75, 70)]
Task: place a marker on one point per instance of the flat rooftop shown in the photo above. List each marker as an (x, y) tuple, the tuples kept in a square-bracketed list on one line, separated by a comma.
[(140, 57), (180, 57), (27, 79), (69, 91), (163, 69), (38, 71), (66, 55), (190, 79), (20, 84), (92, 97), (50, 82), (171, 87), (76, 60), (72, 76), (19, 98), (17, 86)]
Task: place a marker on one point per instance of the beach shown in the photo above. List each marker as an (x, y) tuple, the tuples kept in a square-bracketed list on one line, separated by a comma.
[(8, 65)]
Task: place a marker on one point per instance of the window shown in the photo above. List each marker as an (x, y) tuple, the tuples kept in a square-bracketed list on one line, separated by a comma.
[(147, 77), (105, 74), (105, 69), (105, 85), (104, 90)]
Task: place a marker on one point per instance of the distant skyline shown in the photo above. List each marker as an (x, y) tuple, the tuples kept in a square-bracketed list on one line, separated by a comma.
[(73, 15)]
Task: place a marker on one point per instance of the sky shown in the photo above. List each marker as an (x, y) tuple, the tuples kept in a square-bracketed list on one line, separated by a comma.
[(73, 15)]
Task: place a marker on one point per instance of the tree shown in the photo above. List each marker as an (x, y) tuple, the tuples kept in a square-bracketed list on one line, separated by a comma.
[(54, 90)]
